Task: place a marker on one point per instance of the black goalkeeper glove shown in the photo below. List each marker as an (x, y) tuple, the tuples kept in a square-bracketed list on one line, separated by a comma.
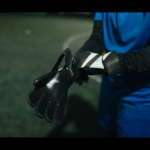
[(50, 93), (93, 64)]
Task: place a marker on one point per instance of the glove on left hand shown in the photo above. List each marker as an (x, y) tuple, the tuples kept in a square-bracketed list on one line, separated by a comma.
[(93, 64)]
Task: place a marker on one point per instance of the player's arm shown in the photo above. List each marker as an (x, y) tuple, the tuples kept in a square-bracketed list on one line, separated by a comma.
[(94, 64), (110, 63), (135, 62), (94, 44)]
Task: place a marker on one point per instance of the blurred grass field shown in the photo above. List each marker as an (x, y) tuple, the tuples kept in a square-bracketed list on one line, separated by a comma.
[(29, 47)]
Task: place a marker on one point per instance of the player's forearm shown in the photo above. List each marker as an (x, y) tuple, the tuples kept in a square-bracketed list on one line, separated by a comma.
[(135, 62), (129, 63), (95, 43)]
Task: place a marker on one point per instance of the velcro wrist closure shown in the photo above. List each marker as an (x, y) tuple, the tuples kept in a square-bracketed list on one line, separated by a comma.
[(111, 64)]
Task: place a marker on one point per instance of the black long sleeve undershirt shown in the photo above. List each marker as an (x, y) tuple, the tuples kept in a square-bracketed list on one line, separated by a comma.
[(95, 43), (131, 62), (135, 62)]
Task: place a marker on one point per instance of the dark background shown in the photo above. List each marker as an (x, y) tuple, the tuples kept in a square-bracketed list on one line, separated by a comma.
[(30, 44)]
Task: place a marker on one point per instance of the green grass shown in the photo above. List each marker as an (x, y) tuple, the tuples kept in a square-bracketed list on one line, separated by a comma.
[(25, 57)]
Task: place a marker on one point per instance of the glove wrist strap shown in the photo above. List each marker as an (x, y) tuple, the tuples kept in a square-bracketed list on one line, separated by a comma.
[(68, 57), (111, 64)]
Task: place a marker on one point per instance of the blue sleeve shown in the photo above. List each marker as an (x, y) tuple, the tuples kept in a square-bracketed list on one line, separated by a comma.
[(98, 16)]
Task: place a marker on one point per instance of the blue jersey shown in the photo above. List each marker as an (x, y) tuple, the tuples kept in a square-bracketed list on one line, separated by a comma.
[(125, 99), (124, 31)]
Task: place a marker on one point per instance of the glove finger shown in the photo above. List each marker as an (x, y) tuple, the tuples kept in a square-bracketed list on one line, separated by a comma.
[(43, 80), (84, 76), (74, 66), (56, 105), (34, 96), (77, 75), (41, 106), (80, 82), (49, 113), (71, 69), (61, 103)]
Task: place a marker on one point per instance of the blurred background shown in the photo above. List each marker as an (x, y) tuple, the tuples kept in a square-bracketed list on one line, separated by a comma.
[(30, 44)]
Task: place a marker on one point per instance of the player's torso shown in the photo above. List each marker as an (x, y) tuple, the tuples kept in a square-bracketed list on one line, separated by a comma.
[(125, 32)]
